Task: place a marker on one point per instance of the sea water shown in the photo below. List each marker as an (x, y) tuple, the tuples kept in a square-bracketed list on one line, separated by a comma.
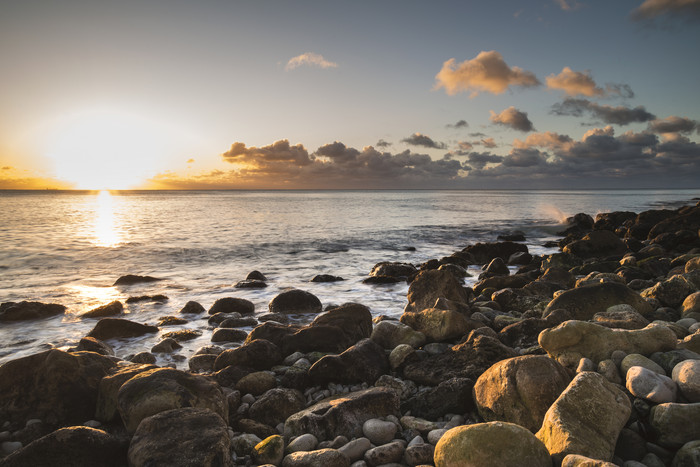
[(70, 247)]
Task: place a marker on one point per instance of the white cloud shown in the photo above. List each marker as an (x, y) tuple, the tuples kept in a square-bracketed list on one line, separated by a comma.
[(309, 59)]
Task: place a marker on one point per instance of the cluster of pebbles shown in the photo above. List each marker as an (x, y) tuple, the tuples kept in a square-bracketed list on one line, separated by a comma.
[(585, 357)]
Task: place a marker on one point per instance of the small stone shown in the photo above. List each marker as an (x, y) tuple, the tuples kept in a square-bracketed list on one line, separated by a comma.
[(355, 449), (418, 424), (320, 457), (435, 435), (93, 424), (651, 386), (248, 398), (305, 442), (419, 454), (378, 431), (634, 359), (608, 369), (167, 345), (585, 364), (243, 444), (269, 451), (385, 454)]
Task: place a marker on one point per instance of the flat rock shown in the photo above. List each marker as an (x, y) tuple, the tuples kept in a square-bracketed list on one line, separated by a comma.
[(321, 457), (111, 309), (131, 279), (111, 328), (11, 311)]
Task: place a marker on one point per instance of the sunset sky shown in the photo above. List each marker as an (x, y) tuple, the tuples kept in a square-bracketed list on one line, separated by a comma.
[(174, 94)]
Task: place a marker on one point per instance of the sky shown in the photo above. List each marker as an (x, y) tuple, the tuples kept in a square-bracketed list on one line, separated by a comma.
[(383, 94)]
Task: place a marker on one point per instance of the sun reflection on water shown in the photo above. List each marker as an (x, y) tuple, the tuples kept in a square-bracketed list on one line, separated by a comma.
[(106, 232)]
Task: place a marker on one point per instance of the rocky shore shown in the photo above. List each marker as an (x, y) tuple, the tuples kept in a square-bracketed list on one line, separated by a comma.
[(585, 357)]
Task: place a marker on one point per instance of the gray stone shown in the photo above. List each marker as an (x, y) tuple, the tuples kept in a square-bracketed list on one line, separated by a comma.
[(688, 455), (635, 359), (686, 374), (651, 386), (305, 442), (385, 454), (675, 424), (355, 449), (379, 431)]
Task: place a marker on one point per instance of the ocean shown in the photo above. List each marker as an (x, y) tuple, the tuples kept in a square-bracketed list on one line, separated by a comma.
[(70, 247)]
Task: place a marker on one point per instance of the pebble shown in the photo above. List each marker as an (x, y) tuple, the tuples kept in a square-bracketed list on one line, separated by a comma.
[(609, 370), (416, 441), (435, 435), (392, 452), (617, 356), (419, 454), (585, 364), (359, 464), (305, 442), (652, 460), (379, 431), (32, 421), (651, 386), (686, 374), (248, 399), (292, 358), (418, 424), (355, 449)]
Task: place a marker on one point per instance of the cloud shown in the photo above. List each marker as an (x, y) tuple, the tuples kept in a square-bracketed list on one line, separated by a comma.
[(418, 139), (581, 83), (190, 161), (568, 5), (674, 124), (547, 139), (488, 72), (488, 143), (382, 144), (309, 59), (459, 124), (7, 167), (619, 115), (651, 9), (513, 118), (278, 158), (478, 160)]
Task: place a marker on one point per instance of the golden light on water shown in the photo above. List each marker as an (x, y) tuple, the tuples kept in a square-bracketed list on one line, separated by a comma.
[(107, 232)]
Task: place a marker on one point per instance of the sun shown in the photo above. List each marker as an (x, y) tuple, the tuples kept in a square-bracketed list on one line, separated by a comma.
[(107, 150)]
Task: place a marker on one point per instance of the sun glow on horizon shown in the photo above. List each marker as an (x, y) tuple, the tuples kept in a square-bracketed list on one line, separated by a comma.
[(108, 150)]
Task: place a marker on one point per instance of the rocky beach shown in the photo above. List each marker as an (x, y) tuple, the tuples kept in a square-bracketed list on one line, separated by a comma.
[(589, 356)]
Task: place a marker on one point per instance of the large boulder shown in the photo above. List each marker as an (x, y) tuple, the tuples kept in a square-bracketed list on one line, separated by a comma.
[(437, 325), (161, 389), (258, 354), (493, 443), (597, 244), (111, 328), (295, 301), (71, 446), (364, 362), (671, 292), (181, 437), (466, 360), (573, 340), (232, 305), (586, 419), (389, 334), (56, 387), (690, 308), (275, 405), (107, 403), (12, 311), (430, 285), (354, 319), (675, 424), (342, 415), (484, 252), (584, 302), (520, 390)]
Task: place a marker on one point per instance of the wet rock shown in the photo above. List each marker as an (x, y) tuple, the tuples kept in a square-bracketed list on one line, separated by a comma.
[(493, 443), (520, 390), (228, 335), (326, 278), (390, 334), (57, 387), (378, 280), (651, 386), (11, 311), (320, 457), (171, 321), (107, 409), (182, 335), (317, 338), (256, 383), (573, 340), (453, 395), (143, 357), (161, 389), (202, 363), (675, 424), (184, 436), (75, 445), (586, 419), (437, 325), (583, 303), (232, 305), (250, 284), (131, 279), (111, 309), (167, 345), (275, 405), (363, 362), (269, 451), (236, 322), (354, 319), (484, 252), (342, 415), (686, 374), (428, 286), (147, 298), (272, 331), (192, 307), (392, 269), (110, 328), (90, 344), (497, 267), (468, 359), (295, 301), (599, 243), (258, 354)]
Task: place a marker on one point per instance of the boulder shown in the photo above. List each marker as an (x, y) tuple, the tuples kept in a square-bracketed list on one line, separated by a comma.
[(256, 383), (111, 309), (497, 267), (390, 453), (520, 390), (690, 308), (90, 344), (111, 328), (107, 409), (258, 354), (354, 319), (317, 338), (181, 437), (597, 244), (364, 362), (484, 252), (437, 325), (493, 443), (232, 305), (646, 384), (675, 424), (192, 307), (467, 360), (11, 311), (269, 451), (276, 405), (671, 292), (271, 331), (430, 285), (392, 269), (573, 340), (71, 446), (688, 455), (321, 457), (453, 395), (131, 279), (228, 335), (326, 278), (686, 374), (56, 387), (295, 301), (621, 317), (342, 415), (583, 303), (390, 334), (586, 419), (154, 391)]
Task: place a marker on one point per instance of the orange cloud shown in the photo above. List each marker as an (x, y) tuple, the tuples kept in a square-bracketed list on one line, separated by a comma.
[(488, 72), (513, 118), (309, 59), (547, 139), (574, 83)]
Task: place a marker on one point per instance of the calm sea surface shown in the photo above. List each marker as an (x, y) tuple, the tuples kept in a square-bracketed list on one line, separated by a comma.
[(70, 247)]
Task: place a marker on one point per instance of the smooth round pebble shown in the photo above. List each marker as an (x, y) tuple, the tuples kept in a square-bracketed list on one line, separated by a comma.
[(379, 431), (651, 386), (355, 449), (435, 435), (305, 442), (686, 374)]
